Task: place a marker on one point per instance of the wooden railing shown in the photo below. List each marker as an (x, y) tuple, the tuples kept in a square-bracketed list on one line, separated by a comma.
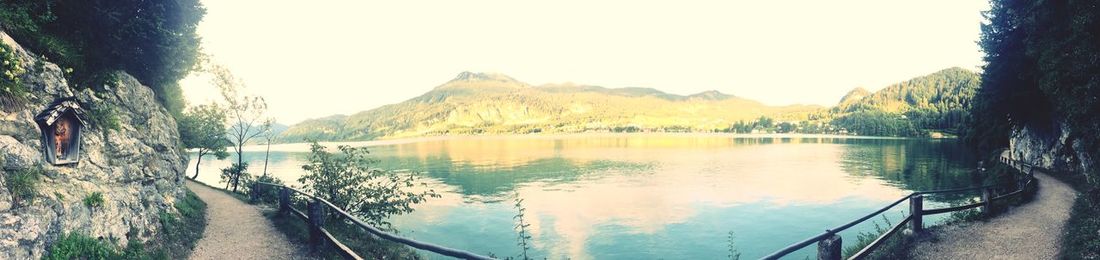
[(318, 236), (830, 244)]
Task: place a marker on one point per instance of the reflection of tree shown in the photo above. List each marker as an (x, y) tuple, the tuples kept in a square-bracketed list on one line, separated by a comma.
[(913, 164)]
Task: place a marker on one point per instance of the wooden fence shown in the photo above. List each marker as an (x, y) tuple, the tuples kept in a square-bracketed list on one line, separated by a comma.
[(829, 244), (315, 218)]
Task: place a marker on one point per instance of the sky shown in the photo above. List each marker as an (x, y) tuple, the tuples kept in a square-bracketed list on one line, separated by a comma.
[(318, 58)]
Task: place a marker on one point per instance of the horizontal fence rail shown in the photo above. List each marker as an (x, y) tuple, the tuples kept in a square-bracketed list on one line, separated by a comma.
[(314, 216), (829, 243)]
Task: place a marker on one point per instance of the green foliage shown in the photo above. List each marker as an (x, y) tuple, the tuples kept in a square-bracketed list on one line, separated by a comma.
[(347, 180), (103, 116), (874, 123), (523, 239), (895, 247), (1082, 236), (94, 200), (12, 91), (235, 175), (23, 185), (203, 128), (1041, 72), (80, 246), (153, 40), (179, 234), (268, 193), (732, 248)]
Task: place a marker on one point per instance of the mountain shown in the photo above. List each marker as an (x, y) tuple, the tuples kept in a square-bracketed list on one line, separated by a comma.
[(935, 102), (481, 103)]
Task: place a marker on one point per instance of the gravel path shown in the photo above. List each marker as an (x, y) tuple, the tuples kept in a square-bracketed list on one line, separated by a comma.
[(1031, 231), (237, 230)]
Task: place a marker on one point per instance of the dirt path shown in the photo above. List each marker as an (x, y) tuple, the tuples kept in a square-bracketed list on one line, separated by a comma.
[(1031, 231), (237, 230)]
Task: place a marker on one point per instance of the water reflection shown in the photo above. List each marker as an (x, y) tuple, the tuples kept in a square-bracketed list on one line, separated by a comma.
[(649, 196)]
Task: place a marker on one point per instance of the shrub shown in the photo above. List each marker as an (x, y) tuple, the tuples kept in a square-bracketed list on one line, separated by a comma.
[(94, 200), (80, 246), (12, 92), (895, 247), (23, 185), (267, 194), (103, 116)]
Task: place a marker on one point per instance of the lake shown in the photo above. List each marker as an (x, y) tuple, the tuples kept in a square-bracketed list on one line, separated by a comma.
[(649, 196)]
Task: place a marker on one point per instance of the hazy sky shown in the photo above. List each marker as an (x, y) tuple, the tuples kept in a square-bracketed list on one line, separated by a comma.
[(322, 57)]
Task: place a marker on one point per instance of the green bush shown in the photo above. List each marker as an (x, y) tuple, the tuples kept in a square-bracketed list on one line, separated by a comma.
[(180, 233), (103, 116), (23, 185), (156, 41), (94, 200), (12, 91), (80, 246)]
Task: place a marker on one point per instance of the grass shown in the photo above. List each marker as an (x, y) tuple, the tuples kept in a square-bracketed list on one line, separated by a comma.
[(94, 200), (23, 185), (180, 230), (895, 247)]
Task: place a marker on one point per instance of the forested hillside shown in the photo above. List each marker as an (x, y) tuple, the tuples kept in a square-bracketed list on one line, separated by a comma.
[(936, 102), (478, 103)]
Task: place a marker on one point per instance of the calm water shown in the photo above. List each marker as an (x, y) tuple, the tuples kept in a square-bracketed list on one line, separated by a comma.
[(649, 196)]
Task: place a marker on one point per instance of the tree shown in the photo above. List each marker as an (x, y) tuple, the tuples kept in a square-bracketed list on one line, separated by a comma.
[(203, 128), (246, 118), (269, 137), (155, 41), (348, 181)]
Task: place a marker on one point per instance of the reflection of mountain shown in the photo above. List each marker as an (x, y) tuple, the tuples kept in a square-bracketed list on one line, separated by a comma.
[(493, 182), (914, 165)]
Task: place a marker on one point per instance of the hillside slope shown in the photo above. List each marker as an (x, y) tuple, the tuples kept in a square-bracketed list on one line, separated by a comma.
[(935, 102), (477, 103)]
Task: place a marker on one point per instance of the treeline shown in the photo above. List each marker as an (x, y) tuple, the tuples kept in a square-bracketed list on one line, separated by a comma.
[(155, 41), (1041, 67), (937, 102)]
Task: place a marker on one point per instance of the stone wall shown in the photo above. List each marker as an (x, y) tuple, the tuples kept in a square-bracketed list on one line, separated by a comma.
[(138, 168)]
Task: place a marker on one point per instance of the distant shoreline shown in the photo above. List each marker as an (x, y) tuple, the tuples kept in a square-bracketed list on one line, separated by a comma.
[(303, 146)]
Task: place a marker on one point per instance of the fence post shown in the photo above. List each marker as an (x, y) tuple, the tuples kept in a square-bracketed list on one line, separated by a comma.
[(987, 202), (829, 248), (284, 200), (916, 207), (316, 222), (254, 192)]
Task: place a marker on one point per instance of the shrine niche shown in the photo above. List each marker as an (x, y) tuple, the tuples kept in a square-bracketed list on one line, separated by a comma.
[(61, 124)]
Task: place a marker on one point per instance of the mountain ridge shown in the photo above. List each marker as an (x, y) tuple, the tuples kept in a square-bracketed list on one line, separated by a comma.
[(493, 103)]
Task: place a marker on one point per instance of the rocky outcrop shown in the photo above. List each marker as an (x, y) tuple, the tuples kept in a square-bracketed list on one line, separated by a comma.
[(137, 167), (1050, 147)]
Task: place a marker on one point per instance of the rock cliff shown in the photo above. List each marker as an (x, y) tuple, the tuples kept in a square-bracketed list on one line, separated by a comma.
[(1050, 147), (137, 166)]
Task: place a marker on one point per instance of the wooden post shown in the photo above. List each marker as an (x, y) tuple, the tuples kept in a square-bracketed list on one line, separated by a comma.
[(916, 206), (254, 192), (316, 222), (829, 248), (284, 200), (987, 202)]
